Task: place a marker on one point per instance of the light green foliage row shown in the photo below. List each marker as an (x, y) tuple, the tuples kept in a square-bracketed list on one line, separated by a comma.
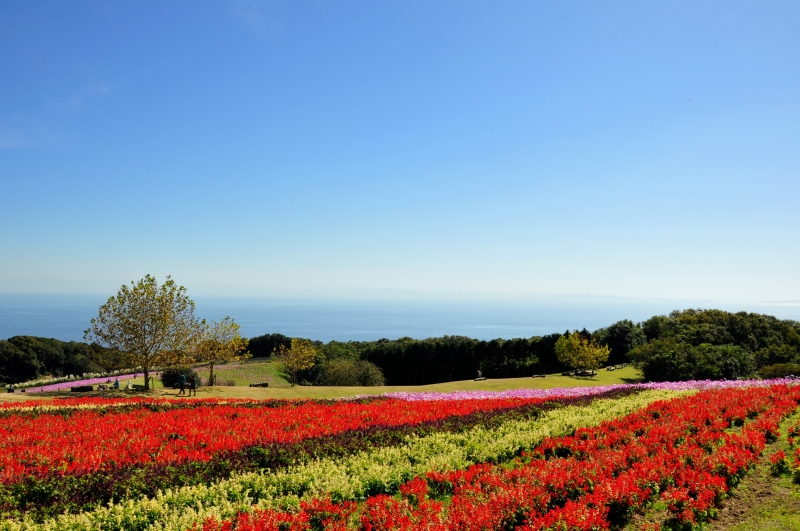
[(362, 474)]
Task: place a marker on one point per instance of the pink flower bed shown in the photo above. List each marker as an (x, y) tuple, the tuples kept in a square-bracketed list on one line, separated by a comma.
[(700, 385), (91, 381)]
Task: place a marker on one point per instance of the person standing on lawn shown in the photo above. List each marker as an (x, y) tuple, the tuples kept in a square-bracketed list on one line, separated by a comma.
[(182, 383), (192, 385)]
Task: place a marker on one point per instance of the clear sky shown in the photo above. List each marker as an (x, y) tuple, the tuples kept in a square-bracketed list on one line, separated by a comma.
[(502, 149)]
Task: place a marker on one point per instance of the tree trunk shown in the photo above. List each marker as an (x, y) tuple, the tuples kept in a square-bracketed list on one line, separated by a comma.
[(211, 374), (146, 377)]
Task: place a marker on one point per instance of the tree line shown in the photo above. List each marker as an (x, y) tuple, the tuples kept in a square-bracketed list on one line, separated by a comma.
[(689, 344), (25, 358), (684, 345)]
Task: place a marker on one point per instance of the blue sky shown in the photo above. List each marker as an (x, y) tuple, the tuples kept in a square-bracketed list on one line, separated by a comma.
[(433, 149)]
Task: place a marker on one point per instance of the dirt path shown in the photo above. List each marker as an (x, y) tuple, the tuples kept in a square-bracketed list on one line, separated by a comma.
[(761, 502)]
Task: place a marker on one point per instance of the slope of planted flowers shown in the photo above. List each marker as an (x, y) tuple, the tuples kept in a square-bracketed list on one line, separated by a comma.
[(378, 469), (63, 460), (688, 452), (333, 453)]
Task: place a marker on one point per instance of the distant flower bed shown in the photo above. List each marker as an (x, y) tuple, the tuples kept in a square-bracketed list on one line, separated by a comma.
[(46, 382), (86, 381), (699, 385)]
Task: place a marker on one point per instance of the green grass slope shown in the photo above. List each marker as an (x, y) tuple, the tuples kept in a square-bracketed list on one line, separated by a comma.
[(259, 371)]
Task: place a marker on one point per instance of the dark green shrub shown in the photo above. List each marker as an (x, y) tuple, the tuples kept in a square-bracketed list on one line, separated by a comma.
[(171, 376), (777, 354), (667, 360), (353, 373), (779, 370)]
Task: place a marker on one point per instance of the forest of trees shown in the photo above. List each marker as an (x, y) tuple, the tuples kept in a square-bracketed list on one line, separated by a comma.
[(690, 344), (714, 344)]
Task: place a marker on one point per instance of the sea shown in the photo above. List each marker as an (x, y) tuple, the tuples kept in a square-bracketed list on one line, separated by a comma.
[(65, 317)]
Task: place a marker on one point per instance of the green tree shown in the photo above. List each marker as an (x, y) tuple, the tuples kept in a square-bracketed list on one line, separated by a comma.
[(579, 353), (154, 324), (221, 342), (353, 373), (299, 357), (665, 360), (621, 337), (266, 345), (776, 354)]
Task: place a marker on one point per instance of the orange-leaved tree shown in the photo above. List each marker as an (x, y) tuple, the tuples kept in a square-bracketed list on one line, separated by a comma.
[(221, 343), (300, 356)]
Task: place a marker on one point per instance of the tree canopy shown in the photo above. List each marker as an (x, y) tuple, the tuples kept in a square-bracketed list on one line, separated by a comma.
[(715, 344), (300, 356), (580, 353), (621, 337), (221, 342), (154, 324)]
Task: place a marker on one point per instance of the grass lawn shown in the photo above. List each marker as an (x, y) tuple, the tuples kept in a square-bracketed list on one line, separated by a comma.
[(259, 371), (247, 372), (621, 376)]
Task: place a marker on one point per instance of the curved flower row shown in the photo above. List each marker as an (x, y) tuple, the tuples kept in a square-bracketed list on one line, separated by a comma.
[(90, 440), (64, 405), (680, 451)]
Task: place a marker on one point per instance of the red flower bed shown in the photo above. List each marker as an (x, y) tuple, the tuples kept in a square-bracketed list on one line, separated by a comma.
[(683, 451), (70, 402), (781, 464), (84, 441)]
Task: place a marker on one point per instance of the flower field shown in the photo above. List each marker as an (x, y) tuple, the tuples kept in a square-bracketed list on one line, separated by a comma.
[(587, 458)]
